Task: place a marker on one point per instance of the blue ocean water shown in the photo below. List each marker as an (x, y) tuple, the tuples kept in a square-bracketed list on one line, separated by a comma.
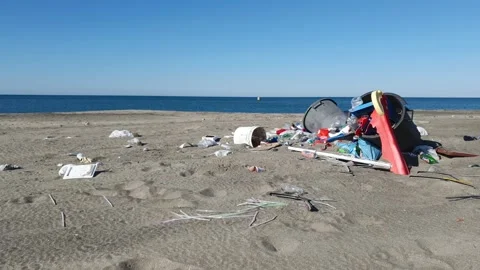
[(46, 104)]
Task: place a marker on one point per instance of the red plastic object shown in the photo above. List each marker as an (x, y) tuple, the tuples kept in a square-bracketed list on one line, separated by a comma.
[(280, 131), (323, 132), (390, 149)]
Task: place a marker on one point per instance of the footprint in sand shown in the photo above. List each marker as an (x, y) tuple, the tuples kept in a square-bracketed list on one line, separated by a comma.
[(284, 244), (187, 173), (324, 227), (211, 193), (366, 220), (406, 258), (136, 190), (152, 264), (29, 199)]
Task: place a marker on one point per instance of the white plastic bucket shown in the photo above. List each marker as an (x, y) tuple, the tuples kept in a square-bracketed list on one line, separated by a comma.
[(249, 135)]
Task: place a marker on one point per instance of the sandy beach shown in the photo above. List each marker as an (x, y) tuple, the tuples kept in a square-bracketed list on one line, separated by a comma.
[(379, 220)]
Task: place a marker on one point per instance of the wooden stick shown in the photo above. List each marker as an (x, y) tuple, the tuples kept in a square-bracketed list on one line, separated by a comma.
[(107, 201), (52, 199), (63, 220), (265, 222), (253, 219), (379, 164)]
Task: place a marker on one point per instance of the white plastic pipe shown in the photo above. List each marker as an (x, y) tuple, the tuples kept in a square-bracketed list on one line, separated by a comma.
[(380, 164)]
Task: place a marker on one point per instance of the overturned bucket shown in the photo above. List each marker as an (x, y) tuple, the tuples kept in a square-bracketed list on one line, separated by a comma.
[(252, 136)]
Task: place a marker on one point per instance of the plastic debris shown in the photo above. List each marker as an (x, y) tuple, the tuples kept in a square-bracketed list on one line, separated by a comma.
[(71, 171), (423, 132), (470, 138), (82, 158), (427, 154), (185, 145), (205, 143), (222, 153), (9, 167), (255, 169), (121, 134), (291, 189)]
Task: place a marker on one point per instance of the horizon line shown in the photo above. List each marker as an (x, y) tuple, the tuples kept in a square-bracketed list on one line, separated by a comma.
[(126, 95)]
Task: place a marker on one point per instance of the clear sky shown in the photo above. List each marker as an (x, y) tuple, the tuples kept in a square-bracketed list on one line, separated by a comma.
[(240, 48)]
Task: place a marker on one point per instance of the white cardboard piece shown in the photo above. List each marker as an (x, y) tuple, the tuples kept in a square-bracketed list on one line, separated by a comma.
[(78, 171)]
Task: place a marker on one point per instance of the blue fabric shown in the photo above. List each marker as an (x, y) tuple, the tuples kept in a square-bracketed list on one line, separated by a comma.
[(368, 150)]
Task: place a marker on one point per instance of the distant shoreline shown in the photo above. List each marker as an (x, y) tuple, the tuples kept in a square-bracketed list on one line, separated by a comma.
[(161, 112)]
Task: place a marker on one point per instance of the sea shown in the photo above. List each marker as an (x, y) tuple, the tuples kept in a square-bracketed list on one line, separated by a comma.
[(68, 103)]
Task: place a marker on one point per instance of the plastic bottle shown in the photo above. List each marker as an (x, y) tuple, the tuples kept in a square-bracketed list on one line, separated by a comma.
[(352, 121), (428, 158), (356, 101)]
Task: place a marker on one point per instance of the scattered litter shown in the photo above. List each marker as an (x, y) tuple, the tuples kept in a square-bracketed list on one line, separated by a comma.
[(145, 149), (265, 222), (470, 138), (309, 155), (308, 202), (128, 146), (378, 164), (291, 189), (83, 159), (451, 178), (9, 167), (262, 204), (52, 199), (135, 141), (255, 169), (185, 145), (224, 146), (121, 134), (212, 138), (68, 137), (251, 136), (460, 219), (427, 154), (423, 132), (206, 217), (222, 153), (86, 123), (108, 201), (205, 143), (473, 166), (451, 154), (266, 146), (71, 171), (59, 164)]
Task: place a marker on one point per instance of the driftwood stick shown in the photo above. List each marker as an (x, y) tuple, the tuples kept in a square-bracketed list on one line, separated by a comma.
[(63, 219), (108, 201), (52, 199), (265, 222), (253, 219)]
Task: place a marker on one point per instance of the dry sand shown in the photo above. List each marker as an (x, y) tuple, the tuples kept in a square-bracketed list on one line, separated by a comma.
[(381, 221)]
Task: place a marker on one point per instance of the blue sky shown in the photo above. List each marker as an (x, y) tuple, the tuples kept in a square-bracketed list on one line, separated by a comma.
[(240, 48)]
